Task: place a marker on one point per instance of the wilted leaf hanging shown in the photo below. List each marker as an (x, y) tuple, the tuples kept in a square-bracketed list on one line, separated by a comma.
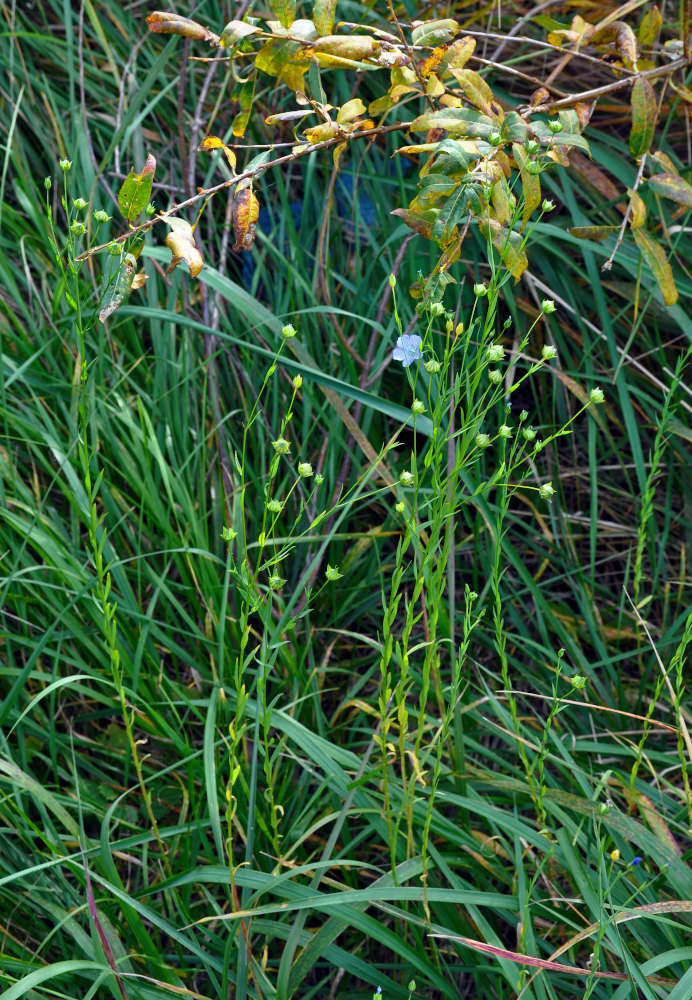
[(213, 142), (162, 23), (245, 215), (181, 243), (655, 257)]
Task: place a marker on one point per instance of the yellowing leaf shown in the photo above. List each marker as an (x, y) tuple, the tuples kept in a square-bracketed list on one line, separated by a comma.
[(530, 183), (323, 15), (342, 50), (655, 257), (247, 94), (621, 35), (350, 110), (476, 91), (666, 162), (459, 52), (508, 244), (181, 243), (245, 215), (135, 193), (644, 107), (213, 142), (673, 187), (637, 209), (420, 222)]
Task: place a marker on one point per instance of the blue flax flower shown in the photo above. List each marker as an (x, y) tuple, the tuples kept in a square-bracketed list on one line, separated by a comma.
[(407, 349), (636, 861)]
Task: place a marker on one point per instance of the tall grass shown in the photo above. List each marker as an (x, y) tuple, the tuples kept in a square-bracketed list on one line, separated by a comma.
[(222, 772)]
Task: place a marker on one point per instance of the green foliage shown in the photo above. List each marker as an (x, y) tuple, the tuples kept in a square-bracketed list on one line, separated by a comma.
[(395, 723)]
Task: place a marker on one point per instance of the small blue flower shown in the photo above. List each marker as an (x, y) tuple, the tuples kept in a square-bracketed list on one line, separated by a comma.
[(636, 861), (407, 349)]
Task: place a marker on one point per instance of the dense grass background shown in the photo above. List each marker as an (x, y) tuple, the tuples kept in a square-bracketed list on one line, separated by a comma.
[(330, 851)]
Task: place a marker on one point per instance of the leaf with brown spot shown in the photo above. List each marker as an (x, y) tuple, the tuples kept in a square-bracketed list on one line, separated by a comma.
[(530, 183), (459, 52), (620, 34), (644, 108), (420, 222), (245, 215), (655, 257)]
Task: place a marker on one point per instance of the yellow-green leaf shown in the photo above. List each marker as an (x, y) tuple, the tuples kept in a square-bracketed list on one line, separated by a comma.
[(342, 50), (181, 243), (673, 187), (245, 215), (135, 193), (323, 12), (235, 31), (284, 11), (213, 142), (508, 244), (649, 28), (643, 117), (655, 257)]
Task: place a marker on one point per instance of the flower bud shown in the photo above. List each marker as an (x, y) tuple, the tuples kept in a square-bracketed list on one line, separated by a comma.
[(228, 534), (524, 415), (47, 183), (495, 376), (597, 396), (332, 573), (406, 479), (65, 166), (281, 446), (532, 167), (578, 682), (101, 216), (555, 126), (615, 855), (304, 470), (275, 506), (547, 205), (432, 367), (549, 353), (436, 309), (288, 331), (532, 146), (79, 204), (495, 139), (400, 507), (150, 209), (297, 381), (275, 581), (505, 431), (392, 281), (417, 406), (319, 479), (548, 306), (546, 491), (529, 433), (78, 228), (483, 440), (479, 290), (495, 353)]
